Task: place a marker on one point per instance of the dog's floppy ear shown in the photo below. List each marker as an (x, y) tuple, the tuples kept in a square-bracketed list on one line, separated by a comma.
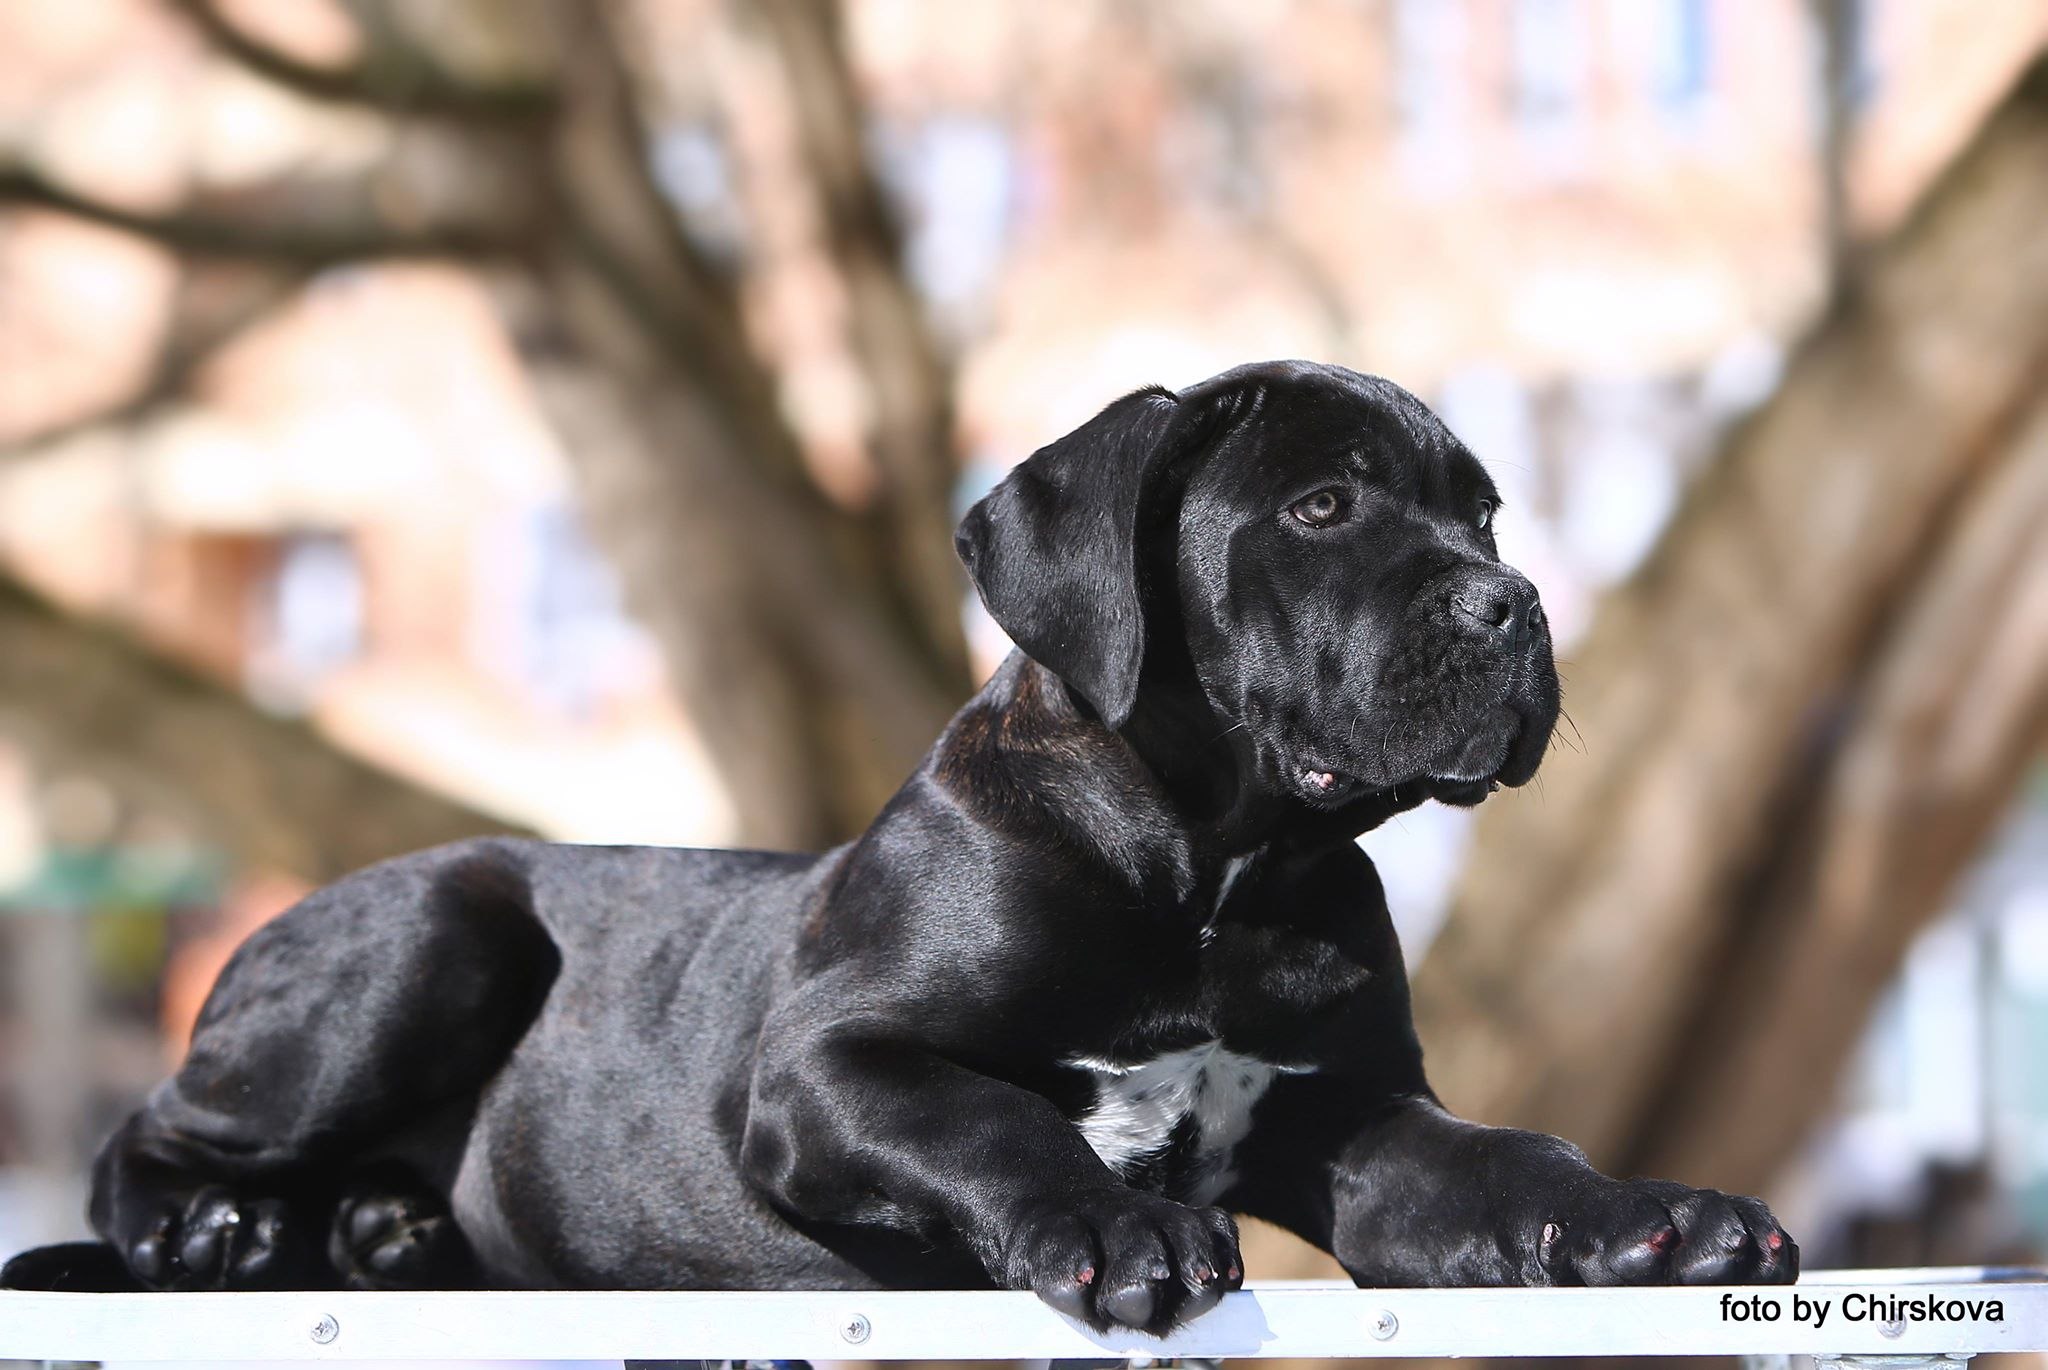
[(1053, 549)]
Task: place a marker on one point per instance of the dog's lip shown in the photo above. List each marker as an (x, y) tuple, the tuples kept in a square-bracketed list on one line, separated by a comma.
[(1487, 764), (1319, 781), (1462, 793)]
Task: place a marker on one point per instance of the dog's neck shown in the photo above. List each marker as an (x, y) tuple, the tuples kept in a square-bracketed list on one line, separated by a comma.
[(1163, 800), (1184, 779)]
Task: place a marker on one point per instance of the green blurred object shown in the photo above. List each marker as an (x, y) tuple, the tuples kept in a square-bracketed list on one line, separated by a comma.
[(100, 879), (123, 893)]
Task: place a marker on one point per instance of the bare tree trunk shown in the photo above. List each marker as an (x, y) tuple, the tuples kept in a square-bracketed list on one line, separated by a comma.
[(266, 789), (1777, 635), (1947, 716)]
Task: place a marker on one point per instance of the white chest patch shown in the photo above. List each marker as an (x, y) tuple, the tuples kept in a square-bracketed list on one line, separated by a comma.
[(1139, 1108)]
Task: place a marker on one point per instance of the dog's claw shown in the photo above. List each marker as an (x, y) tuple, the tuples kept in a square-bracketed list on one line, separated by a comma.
[(1069, 1298)]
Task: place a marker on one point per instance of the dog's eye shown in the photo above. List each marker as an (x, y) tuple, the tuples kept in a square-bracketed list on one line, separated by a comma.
[(1319, 510), (1485, 519)]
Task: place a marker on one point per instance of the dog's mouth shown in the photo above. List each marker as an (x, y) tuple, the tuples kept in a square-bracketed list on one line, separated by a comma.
[(1324, 788), (1486, 758)]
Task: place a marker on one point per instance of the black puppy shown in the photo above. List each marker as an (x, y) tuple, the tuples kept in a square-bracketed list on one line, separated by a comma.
[(1109, 968)]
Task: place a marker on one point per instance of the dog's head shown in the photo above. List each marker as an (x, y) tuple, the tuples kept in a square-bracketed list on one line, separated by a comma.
[(1313, 550)]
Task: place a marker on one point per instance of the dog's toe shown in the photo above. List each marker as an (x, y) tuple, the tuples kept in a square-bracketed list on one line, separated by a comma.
[(217, 1239), (1661, 1232), (395, 1240), (1124, 1258)]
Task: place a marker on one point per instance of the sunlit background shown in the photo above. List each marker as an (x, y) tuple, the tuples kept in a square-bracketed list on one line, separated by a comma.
[(327, 439)]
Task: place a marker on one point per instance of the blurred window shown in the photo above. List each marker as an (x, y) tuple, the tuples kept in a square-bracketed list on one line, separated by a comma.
[(955, 174), (1621, 483), (1681, 58), (316, 607), (576, 647), (1950, 1073), (1547, 74), (1430, 40), (690, 164), (1549, 59)]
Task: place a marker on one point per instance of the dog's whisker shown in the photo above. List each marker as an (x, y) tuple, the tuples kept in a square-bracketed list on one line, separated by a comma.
[(1235, 727)]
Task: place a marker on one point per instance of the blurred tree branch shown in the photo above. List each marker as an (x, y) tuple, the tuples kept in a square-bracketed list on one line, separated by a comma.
[(395, 76), (212, 305), (84, 695), (818, 648), (308, 224)]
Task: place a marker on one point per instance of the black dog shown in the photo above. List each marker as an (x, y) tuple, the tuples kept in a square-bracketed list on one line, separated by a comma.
[(1107, 969)]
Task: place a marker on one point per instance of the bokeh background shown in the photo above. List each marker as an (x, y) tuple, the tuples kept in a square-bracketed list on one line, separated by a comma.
[(420, 417)]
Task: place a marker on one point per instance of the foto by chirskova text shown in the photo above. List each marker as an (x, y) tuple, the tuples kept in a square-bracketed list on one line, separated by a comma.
[(1815, 1310)]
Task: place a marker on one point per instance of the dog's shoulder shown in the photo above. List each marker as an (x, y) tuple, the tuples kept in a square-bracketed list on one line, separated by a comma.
[(1025, 760)]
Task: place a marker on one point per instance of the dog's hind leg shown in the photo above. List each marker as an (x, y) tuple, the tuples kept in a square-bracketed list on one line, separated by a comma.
[(381, 1001)]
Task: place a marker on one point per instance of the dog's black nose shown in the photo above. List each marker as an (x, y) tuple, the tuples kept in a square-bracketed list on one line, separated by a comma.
[(1499, 603)]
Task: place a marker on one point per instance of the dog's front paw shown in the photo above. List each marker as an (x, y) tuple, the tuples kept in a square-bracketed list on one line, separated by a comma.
[(1662, 1232), (1125, 1258), (215, 1240)]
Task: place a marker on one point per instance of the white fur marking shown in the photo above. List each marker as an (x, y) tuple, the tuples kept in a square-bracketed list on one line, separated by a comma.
[(1137, 1107)]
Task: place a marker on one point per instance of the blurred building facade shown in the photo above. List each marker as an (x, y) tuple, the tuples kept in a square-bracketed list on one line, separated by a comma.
[(1586, 230)]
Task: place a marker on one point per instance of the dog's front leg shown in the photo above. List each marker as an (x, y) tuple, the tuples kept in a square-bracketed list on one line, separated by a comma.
[(845, 1127), (1423, 1198)]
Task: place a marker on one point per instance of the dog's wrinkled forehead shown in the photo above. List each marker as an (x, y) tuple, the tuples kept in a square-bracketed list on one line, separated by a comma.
[(1304, 420)]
